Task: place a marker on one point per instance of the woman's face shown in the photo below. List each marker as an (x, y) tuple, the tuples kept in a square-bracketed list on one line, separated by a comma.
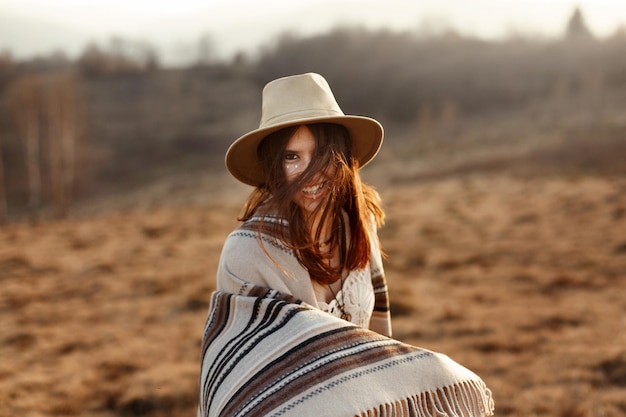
[(299, 152)]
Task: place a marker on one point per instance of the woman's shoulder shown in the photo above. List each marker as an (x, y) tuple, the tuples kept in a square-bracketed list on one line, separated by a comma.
[(264, 221), (258, 231), (266, 224)]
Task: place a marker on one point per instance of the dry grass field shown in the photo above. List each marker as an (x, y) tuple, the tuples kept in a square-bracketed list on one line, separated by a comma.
[(520, 278)]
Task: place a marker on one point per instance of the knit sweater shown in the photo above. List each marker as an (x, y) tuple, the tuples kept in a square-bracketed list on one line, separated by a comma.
[(249, 258)]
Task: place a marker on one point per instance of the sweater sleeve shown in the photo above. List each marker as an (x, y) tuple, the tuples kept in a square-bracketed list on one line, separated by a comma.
[(381, 316)]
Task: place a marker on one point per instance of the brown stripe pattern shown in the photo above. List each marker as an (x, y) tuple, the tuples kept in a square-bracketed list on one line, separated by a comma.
[(267, 354)]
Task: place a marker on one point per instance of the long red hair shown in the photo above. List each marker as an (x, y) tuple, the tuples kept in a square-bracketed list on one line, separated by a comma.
[(347, 194)]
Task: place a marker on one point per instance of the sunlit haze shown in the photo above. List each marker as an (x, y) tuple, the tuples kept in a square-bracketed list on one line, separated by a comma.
[(29, 27)]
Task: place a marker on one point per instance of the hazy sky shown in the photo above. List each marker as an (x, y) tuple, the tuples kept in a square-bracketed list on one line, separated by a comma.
[(29, 27)]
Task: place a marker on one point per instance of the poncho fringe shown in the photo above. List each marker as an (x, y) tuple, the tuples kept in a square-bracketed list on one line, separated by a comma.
[(437, 404), (265, 353)]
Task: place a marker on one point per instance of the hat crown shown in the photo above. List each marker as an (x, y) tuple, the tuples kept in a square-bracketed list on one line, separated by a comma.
[(297, 97), (298, 100)]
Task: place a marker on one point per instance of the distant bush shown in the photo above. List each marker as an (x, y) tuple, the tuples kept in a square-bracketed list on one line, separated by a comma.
[(394, 74), (120, 57)]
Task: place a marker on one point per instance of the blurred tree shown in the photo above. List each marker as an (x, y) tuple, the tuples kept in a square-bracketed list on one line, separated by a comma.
[(206, 51), (7, 71), (122, 57), (8, 68), (128, 56), (4, 204), (148, 57), (65, 121), (240, 64), (26, 106), (577, 28), (48, 110), (55, 61), (92, 61)]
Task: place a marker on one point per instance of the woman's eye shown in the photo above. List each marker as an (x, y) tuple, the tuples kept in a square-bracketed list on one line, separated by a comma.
[(291, 157)]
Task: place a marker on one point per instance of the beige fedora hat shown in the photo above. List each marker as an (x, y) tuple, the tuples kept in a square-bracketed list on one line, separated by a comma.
[(299, 99)]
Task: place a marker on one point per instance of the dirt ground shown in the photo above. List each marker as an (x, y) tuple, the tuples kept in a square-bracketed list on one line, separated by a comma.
[(523, 280)]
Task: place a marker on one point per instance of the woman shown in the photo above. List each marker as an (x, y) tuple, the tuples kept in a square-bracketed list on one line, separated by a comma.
[(299, 324)]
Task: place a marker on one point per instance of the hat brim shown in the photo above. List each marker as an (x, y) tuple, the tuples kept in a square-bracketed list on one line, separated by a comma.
[(366, 136)]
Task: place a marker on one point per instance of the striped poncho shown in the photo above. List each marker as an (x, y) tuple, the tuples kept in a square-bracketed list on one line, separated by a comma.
[(267, 350)]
